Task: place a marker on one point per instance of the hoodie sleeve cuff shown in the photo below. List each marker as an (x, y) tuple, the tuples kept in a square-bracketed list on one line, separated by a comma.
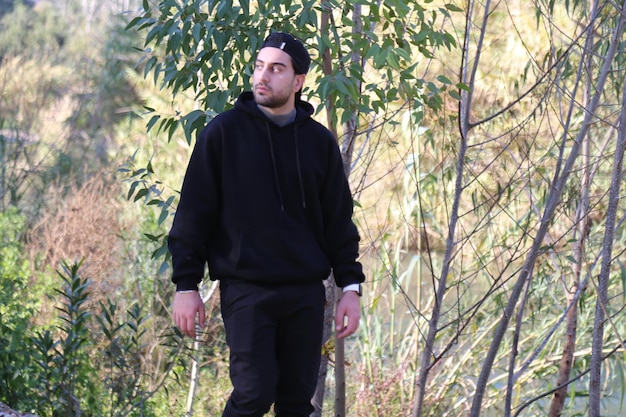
[(186, 286)]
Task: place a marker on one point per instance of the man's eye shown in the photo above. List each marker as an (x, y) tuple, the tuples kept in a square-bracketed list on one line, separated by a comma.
[(276, 69)]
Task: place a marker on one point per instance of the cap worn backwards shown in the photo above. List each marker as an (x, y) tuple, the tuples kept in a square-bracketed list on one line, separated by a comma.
[(293, 47)]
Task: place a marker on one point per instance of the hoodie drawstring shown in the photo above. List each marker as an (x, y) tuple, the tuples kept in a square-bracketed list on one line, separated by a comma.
[(280, 194), (301, 183), (298, 167)]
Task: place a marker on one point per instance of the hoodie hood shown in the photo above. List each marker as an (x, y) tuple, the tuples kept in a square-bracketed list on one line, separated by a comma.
[(245, 102), (304, 110)]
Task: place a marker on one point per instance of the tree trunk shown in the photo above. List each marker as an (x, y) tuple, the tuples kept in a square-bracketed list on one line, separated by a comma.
[(582, 232), (329, 312), (332, 292), (340, 372), (595, 389), (428, 352), (567, 357), (329, 317)]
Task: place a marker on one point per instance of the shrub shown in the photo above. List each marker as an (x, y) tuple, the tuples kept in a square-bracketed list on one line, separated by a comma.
[(18, 305)]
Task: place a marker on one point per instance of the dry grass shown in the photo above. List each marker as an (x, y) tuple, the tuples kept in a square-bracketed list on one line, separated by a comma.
[(81, 223), (382, 397)]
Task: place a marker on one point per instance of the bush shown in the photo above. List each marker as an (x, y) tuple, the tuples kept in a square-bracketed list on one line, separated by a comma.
[(18, 305)]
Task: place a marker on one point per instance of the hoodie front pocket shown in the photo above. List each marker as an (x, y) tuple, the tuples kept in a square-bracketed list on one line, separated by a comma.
[(281, 254)]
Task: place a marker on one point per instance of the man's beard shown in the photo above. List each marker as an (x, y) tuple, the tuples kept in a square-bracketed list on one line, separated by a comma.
[(271, 100)]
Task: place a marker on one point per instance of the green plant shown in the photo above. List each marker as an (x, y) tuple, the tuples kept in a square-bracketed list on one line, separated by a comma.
[(122, 365), (81, 369), (66, 383), (18, 306)]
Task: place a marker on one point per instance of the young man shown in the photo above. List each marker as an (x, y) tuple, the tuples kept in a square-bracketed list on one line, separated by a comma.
[(266, 204)]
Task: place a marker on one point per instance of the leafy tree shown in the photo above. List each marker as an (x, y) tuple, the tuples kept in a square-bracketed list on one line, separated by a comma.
[(365, 70), (511, 220)]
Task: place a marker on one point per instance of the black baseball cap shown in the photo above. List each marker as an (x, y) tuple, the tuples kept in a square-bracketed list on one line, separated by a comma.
[(293, 47)]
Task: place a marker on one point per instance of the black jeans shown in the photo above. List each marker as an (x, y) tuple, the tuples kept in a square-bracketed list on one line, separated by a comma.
[(274, 332)]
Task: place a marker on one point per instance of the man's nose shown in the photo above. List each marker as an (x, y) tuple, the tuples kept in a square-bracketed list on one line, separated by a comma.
[(264, 73)]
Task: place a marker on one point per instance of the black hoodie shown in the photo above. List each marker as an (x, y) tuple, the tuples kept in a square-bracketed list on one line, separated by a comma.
[(264, 203)]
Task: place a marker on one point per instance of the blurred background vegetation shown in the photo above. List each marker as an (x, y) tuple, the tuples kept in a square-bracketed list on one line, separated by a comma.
[(87, 192), (84, 325)]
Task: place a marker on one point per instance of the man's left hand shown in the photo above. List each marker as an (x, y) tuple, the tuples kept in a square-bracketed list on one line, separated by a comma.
[(348, 314)]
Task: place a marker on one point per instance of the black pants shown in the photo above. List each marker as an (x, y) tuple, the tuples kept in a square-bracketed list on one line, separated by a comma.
[(274, 333)]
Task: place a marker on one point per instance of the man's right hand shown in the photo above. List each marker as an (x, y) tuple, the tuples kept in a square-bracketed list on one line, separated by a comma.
[(188, 305)]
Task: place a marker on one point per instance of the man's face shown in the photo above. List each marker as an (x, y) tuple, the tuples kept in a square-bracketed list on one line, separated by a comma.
[(274, 81)]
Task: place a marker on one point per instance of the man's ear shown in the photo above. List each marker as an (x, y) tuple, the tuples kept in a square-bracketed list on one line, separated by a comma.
[(299, 82)]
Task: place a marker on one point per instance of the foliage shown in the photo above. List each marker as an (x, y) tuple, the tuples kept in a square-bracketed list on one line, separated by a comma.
[(122, 363), (66, 384), (85, 218), (62, 109), (205, 47), (32, 33), (62, 102), (509, 218), (18, 305), (69, 106), (68, 370)]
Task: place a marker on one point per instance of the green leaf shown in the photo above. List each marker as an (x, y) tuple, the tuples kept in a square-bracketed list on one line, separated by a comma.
[(160, 252), (454, 94), (197, 32), (141, 193), (150, 63), (453, 7), (163, 215), (152, 121), (443, 79), (164, 267), (393, 61), (133, 22), (341, 83), (131, 191)]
